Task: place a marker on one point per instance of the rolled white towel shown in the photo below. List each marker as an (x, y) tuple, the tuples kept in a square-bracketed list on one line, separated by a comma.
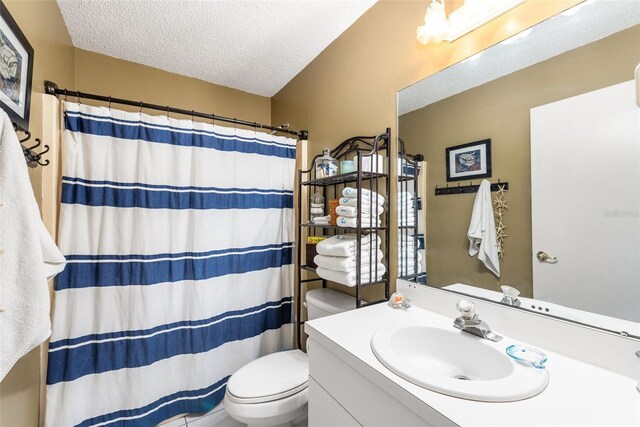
[(366, 202), (349, 279), (346, 264), (353, 192), (346, 244), (344, 221), (352, 211), (323, 220)]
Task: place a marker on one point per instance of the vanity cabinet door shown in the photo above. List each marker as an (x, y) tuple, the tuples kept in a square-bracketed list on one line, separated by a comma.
[(363, 399), (325, 411)]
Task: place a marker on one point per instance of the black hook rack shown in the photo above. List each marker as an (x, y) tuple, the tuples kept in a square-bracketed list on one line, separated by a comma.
[(32, 157), (468, 189)]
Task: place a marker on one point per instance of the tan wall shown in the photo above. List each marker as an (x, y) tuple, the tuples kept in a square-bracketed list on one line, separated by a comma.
[(109, 76), (350, 88), (42, 24), (500, 110)]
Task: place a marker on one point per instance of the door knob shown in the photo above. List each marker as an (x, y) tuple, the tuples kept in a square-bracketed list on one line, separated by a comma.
[(543, 256)]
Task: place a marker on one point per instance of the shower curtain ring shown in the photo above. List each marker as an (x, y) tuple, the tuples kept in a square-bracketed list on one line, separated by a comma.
[(140, 107), (213, 119), (65, 95), (78, 97), (109, 102), (167, 111), (193, 115)]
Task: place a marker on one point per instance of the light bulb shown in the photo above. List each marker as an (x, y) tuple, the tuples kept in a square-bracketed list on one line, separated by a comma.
[(435, 24)]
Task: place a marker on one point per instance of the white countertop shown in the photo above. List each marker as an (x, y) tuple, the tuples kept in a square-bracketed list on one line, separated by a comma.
[(578, 394)]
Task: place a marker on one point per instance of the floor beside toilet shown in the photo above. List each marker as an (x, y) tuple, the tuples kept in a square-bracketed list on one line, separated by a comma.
[(217, 417)]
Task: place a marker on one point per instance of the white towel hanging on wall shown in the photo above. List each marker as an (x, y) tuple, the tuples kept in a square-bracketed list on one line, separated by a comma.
[(482, 230), (28, 257)]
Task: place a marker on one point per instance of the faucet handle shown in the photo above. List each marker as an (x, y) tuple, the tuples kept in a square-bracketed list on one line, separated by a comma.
[(510, 296), (466, 308), (510, 292)]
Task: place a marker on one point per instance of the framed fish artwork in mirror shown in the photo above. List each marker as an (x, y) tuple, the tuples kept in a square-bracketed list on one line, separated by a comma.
[(469, 161)]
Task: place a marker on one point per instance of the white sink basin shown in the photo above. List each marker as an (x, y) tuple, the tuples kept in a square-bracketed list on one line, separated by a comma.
[(456, 363)]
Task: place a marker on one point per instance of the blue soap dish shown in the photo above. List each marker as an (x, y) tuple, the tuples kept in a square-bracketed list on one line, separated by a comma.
[(527, 356)]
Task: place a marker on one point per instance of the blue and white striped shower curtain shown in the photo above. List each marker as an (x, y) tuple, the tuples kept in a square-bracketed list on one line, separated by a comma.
[(178, 237)]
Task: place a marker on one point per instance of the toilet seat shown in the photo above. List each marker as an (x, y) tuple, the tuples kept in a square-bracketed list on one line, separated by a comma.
[(269, 378), (270, 398)]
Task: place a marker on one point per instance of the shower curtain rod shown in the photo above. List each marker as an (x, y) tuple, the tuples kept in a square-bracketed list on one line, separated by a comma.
[(52, 89)]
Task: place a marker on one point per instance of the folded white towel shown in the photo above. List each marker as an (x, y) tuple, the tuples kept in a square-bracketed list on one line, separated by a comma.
[(345, 244), (405, 194), (344, 221), (482, 230), (408, 258), (406, 214), (352, 211), (29, 257), (349, 279), (347, 264)]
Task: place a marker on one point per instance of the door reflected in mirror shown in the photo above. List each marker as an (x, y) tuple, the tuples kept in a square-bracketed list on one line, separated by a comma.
[(559, 106)]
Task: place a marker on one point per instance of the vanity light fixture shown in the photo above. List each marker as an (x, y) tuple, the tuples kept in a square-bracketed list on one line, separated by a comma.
[(471, 15), (435, 26)]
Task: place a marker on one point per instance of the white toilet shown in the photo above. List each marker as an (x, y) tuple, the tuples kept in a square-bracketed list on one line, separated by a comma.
[(272, 390)]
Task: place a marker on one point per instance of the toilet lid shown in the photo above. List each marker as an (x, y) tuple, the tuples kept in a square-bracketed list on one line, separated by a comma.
[(270, 377), (330, 300)]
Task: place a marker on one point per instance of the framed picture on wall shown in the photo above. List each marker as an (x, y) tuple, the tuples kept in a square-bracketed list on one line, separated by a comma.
[(16, 70), (469, 161)]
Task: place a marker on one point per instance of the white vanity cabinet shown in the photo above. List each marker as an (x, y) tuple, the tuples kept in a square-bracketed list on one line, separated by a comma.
[(342, 394)]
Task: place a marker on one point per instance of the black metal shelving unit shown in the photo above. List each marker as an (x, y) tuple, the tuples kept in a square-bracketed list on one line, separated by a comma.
[(358, 147), (408, 171)]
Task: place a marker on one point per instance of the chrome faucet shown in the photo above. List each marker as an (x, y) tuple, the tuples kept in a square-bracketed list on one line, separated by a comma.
[(471, 323)]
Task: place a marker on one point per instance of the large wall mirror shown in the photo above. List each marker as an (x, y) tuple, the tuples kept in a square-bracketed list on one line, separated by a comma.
[(558, 106)]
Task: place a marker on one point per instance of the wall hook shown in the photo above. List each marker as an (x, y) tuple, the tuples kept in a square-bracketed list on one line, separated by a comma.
[(46, 150), (38, 142), (26, 138)]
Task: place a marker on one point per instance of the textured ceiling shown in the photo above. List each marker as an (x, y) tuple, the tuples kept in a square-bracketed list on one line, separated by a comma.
[(583, 24), (251, 45)]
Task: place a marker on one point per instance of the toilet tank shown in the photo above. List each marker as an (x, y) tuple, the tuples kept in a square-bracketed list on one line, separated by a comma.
[(325, 302)]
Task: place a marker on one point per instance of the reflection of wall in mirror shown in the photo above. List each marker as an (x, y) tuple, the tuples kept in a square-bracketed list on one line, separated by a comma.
[(500, 110)]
